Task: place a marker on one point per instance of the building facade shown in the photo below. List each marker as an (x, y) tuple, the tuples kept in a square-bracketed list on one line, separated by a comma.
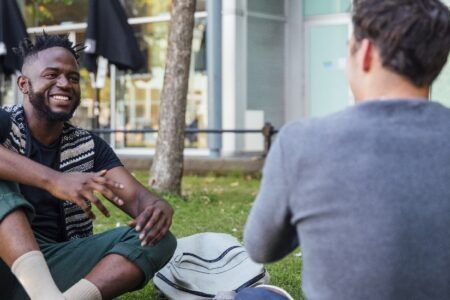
[(280, 60)]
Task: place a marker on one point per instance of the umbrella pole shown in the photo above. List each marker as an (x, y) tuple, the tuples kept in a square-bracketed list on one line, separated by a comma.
[(95, 120), (2, 87)]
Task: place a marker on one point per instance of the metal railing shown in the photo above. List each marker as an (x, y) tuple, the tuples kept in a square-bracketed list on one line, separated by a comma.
[(268, 131)]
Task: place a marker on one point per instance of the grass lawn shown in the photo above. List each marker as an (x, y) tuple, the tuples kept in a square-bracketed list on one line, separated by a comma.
[(214, 204)]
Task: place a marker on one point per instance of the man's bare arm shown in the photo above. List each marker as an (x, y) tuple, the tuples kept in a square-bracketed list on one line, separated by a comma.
[(74, 187), (20, 169), (152, 215)]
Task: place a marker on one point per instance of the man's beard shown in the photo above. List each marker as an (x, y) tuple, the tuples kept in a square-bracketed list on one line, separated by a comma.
[(38, 102)]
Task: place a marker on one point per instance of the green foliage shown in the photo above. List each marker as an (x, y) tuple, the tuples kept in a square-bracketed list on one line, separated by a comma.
[(40, 9), (214, 204)]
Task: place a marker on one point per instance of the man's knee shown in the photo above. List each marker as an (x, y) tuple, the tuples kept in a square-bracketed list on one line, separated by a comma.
[(157, 256), (161, 253), (154, 258), (149, 259), (12, 201)]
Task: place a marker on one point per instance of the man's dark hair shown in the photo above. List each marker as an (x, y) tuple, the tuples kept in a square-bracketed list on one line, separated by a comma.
[(413, 36), (27, 48)]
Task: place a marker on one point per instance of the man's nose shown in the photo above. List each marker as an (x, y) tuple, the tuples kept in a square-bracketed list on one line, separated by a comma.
[(62, 81)]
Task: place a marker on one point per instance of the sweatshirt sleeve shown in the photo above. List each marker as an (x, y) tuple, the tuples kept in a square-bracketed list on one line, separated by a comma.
[(269, 235), (5, 125)]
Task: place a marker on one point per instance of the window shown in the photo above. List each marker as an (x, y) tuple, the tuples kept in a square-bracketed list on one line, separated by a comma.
[(56, 12), (325, 7), (139, 95), (440, 90)]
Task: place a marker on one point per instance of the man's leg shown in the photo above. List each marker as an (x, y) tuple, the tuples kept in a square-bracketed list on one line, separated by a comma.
[(138, 265), (113, 281), (10, 288), (16, 237), (19, 250), (113, 261)]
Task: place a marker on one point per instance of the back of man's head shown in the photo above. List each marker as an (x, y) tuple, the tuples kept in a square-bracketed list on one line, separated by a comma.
[(412, 36)]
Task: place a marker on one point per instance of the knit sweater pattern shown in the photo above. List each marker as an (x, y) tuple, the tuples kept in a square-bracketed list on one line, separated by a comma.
[(76, 154)]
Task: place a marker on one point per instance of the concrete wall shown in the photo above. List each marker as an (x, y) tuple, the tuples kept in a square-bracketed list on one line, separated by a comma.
[(201, 165)]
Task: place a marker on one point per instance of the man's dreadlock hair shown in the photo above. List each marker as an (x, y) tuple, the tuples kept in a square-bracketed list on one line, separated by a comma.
[(27, 48)]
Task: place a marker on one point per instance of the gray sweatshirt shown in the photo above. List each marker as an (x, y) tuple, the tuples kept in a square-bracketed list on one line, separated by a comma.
[(366, 191)]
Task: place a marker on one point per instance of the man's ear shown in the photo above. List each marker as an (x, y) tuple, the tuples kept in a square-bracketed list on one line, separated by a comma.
[(368, 55), (22, 83)]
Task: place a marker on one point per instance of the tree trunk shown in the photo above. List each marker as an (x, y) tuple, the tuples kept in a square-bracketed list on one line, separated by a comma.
[(167, 169)]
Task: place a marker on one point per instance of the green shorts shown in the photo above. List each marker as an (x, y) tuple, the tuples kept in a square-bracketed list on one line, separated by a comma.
[(72, 260), (11, 199)]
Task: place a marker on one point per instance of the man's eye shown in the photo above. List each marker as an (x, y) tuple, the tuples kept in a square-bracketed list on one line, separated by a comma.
[(50, 76), (75, 79)]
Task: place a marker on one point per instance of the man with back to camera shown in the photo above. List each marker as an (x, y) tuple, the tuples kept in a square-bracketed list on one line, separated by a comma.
[(47, 246), (365, 192)]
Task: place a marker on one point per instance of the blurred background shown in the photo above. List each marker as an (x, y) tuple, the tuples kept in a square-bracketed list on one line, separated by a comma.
[(280, 60)]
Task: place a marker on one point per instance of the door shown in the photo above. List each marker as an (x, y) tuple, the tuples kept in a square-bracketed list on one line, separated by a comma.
[(327, 90)]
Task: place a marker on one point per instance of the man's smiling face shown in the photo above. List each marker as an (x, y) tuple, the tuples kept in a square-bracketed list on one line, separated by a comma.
[(52, 82)]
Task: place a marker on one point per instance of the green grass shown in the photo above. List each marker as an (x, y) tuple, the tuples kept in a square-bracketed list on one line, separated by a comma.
[(214, 204)]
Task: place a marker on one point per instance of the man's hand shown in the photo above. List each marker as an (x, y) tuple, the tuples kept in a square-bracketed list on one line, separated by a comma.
[(153, 222), (79, 188), (152, 216)]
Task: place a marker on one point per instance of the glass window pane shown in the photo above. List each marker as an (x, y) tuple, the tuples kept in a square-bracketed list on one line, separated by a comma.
[(272, 7), (200, 5), (39, 13), (144, 8), (266, 52), (139, 95), (323, 7), (55, 12), (84, 116), (7, 85), (327, 84), (440, 90)]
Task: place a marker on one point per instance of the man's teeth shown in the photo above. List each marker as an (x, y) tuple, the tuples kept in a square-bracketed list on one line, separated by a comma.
[(62, 98)]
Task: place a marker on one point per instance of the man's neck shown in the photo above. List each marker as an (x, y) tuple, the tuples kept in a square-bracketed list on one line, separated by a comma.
[(394, 88), (41, 129)]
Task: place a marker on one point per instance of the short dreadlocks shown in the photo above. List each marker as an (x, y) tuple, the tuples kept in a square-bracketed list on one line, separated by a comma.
[(27, 48)]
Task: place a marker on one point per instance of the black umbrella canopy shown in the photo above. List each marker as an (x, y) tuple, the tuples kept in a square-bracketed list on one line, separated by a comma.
[(108, 34), (12, 32)]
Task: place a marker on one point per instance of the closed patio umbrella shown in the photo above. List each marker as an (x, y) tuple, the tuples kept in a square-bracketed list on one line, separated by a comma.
[(109, 35), (12, 31)]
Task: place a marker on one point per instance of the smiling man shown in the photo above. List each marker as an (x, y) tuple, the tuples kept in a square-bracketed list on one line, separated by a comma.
[(46, 241)]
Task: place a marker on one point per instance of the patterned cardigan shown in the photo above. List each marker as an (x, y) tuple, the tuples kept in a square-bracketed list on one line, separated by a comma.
[(76, 154)]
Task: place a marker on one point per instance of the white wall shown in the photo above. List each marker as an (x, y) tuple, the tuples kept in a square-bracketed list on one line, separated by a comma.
[(233, 73), (266, 41), (295, 105), (258, 60)]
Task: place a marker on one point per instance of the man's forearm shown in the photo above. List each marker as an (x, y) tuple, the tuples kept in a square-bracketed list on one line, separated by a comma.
[(136, 197), (137, 203), (17, 168), (144, 199), (152, 216)]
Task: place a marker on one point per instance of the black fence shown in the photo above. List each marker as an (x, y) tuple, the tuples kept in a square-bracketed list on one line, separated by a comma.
[(268, 131)]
